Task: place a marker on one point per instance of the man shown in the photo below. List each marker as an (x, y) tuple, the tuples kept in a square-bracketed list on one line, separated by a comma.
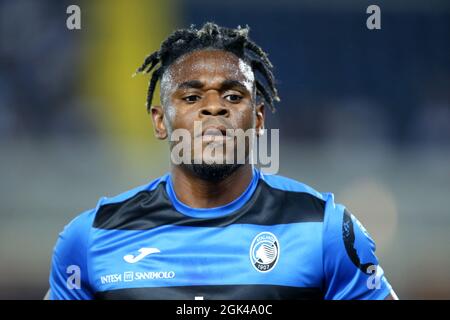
[(211, 229)]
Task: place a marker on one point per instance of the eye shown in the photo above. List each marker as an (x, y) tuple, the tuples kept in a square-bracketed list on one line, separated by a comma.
[(234, 98), (191, 98)]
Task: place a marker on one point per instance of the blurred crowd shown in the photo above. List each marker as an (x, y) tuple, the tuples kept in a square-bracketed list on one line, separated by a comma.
[(337, 79)]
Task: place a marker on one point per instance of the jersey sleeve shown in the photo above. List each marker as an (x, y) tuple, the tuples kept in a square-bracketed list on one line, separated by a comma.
[(351, 268), (69, 274)]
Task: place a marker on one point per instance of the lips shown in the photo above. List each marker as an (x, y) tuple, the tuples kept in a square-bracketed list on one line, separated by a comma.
[(214, 131), (215, 134)]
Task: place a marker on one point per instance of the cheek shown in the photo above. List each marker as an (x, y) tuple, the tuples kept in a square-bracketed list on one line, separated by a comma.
[(244, 118), (170, 112), (183, 119)]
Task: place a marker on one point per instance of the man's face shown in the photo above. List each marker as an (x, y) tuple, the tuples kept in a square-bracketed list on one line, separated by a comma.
[(213, 88)]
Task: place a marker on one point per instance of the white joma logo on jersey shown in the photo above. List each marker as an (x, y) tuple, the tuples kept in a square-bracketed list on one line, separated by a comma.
[(143, 253)]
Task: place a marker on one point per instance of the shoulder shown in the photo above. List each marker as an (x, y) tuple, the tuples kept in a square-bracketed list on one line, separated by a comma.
[(130, 194), (339, 225), (350, 265), (73, 238), (300, 192), (288, 184), (81, 224)]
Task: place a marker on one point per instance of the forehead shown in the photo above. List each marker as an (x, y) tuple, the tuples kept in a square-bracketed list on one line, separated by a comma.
[(209, 65)]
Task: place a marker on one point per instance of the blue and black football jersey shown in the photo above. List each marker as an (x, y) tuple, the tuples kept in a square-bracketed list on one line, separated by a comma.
[(279, 240)]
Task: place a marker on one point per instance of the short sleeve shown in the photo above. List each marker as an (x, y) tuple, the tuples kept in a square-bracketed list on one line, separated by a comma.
[(69, 274), (351, 268)]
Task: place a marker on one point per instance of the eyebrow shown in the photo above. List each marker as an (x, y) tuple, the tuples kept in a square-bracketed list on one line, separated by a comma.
[(225, 85)]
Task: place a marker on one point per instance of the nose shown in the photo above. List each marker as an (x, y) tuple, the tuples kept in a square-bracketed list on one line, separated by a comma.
[(214, 107)]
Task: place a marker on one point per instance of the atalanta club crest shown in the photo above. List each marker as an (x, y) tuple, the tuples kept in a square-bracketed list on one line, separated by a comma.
[(264, 251)]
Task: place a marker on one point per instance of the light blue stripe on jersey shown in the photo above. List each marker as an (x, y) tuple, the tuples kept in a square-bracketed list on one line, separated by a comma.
[(208, 256)]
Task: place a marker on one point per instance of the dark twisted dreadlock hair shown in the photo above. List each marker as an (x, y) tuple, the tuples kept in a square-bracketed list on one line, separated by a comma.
[(211, 36)]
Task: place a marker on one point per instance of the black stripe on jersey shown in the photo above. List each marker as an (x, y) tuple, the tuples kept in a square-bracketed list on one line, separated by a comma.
[(214, 292), (267, 206), (348, 234)]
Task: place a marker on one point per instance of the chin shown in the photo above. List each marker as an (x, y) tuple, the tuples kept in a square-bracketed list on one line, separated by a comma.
[(213, 172)]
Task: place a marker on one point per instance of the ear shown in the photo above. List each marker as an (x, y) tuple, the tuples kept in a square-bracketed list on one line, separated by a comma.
[(158, 122), (259, 119)]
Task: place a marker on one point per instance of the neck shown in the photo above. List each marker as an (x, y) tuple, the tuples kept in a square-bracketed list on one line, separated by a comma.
[(199, 193)]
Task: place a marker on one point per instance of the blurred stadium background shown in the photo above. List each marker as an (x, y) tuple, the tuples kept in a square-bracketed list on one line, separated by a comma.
[(364, 114)]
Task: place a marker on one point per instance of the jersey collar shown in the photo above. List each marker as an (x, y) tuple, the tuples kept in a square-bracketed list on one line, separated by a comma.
[(216, 211)]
